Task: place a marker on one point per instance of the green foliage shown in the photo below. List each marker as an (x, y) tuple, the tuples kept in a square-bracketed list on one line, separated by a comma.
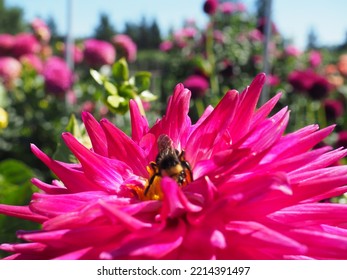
[(62, 152), (34, 117), (119, 87), (15, 189)]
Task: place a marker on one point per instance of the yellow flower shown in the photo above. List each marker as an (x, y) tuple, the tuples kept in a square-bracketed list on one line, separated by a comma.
[(3, 118)]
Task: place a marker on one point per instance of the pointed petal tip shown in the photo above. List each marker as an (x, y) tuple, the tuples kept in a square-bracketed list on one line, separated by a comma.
[(66, 136), (85, 115)]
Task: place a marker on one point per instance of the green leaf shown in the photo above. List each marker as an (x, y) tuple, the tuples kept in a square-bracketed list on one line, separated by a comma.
[(62, 153), (3, 97), (142, 81), (74, 127), (14, 173), (110, 88), (127, 91), (15, 189), (114, 100), (120, 71), (147, 96), (97, 76)]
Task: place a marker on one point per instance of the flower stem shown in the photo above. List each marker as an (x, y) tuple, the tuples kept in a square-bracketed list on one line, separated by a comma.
[(212, 61), (199, 105)]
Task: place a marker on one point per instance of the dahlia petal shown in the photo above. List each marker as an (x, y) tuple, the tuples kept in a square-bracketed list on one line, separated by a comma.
[(241, 198), (156, 245), (47, 188), (218, 239), (148, 144), (259, 237), (29, 256), (264, 111), (294, 163), (139, 124), (287, 141), (324, 160), (212, 128), (107, 173), (209, 109), (176, 120), (248, 101), (76, 238), (268, 133), (203, 187), (74, 181), (52, 206), (315, 185), (192, 249), (88, 215), (122, 148), (75, 255), (306, 215), (306, 143), (22, 212), (96, 134), (174, 200), (23, 247), (320, 244), (128, 221)]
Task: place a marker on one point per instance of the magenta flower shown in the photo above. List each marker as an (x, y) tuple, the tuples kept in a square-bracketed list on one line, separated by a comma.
[(197, 84), (41, 30), (291, 50), (98, 53), (126, 46), (33, 61), (251, 192), (333, 109), (166, 46), (57, 76), (6, 44), (210, 7), (25, 43), (315, 58), (313, 84), (227, 8), (10, 70)]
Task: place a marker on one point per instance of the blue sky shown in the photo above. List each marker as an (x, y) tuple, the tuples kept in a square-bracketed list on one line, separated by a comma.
[(294, 18)]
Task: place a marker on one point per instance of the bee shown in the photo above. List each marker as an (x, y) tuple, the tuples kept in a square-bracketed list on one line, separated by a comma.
[(169, 162)]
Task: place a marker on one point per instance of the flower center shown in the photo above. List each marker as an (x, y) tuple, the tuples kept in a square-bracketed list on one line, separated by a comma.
[(169, 162)]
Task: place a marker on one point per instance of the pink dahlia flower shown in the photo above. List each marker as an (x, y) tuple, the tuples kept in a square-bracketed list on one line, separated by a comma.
[(197, 84), (6, 44), (251, 192), (41, 30), (292, 50), (126, 46), (166, 46), (25, 43), (10, 69), (98, 53), (333, 109), (315, 58), (33, 61), (57, 75), (210, 7)]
